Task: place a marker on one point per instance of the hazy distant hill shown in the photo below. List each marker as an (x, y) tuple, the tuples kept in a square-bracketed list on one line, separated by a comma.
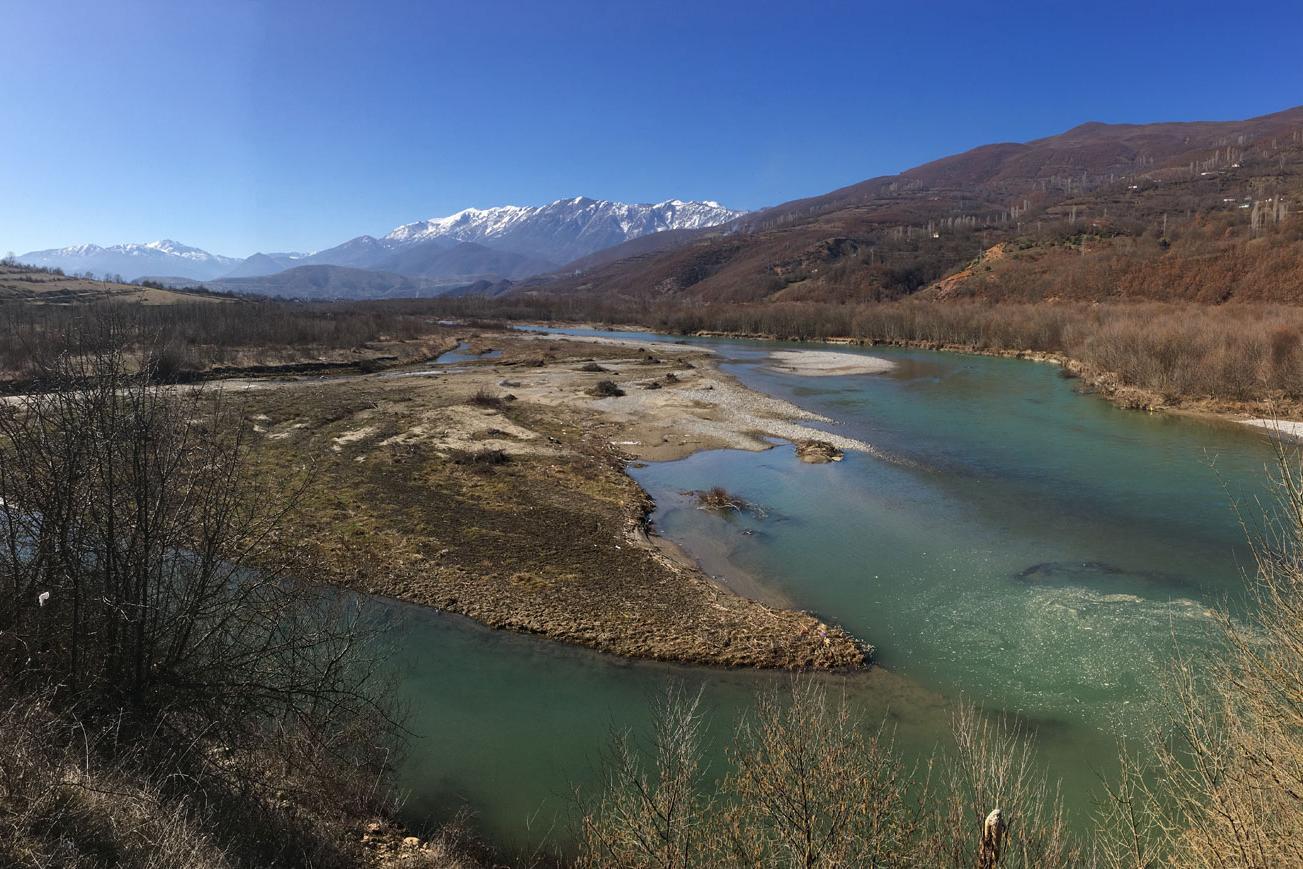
[(265, 264), (131, 261), (462, 259), (336, 282), (362, 252), (23, 283), (1167, 210)]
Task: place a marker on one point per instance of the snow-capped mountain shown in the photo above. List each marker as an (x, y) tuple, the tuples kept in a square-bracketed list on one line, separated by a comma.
[(165, 257), (510, 241), (564, 230)]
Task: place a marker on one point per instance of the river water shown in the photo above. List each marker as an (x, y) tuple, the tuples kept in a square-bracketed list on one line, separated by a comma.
[(1039, 552)]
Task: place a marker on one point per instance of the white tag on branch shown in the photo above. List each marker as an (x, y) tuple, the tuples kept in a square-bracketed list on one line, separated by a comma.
[(42, 598)]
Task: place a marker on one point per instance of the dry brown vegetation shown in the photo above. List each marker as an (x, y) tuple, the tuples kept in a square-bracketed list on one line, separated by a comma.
[(172, 693), (1169, 353), (190, 341), (721, 500), (809, 785), (42, 286), (1212, 259), (607, 389), (1193, 212)]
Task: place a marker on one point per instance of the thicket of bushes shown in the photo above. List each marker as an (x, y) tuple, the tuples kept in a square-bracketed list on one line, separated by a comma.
[(191, 337), (1179, 351), (173, 692)]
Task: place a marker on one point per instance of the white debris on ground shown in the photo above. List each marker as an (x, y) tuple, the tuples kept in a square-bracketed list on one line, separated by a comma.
[(747, 411), (1285, 428), (819, 363), (350, 437)]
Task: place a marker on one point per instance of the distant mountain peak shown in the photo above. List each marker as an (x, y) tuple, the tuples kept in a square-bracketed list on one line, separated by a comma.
[(506, 241), (565, 229), (134, 260)]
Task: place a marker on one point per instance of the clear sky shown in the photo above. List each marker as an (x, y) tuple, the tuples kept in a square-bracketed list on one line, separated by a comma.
[(279, 125)]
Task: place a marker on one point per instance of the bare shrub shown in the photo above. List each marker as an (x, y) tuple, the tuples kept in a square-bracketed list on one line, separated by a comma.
[(811, 786), (657, 816), (721, 500), (61, 804), (607, 389), (808, 789), (993, 766), (145, 600), (484, 458), (486, 398)]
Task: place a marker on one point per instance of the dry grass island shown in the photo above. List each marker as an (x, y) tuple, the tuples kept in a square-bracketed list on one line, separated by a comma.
[(495, 488)]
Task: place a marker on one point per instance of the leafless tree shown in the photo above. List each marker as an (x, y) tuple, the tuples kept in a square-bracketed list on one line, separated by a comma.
[(994, 766), (657, 816), (809, 790), (142, 587)]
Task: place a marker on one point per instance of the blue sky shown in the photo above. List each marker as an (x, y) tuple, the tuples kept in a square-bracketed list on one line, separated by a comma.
[(244, 126)]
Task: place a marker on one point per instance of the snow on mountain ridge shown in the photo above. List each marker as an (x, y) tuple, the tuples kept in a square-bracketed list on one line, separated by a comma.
[(567, 217), (135, 260), (545, 236), (164, 246)]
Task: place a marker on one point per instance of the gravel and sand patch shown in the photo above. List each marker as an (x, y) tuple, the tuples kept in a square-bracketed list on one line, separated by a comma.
[(700, 408), (1285, 428), (463, 428), (821, 363), (352, 437)]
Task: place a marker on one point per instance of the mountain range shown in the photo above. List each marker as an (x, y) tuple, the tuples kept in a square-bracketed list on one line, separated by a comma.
[(134, 260), (507, 242)]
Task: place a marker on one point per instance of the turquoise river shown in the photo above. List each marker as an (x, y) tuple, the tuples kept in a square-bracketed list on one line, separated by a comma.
[(1040, 552)]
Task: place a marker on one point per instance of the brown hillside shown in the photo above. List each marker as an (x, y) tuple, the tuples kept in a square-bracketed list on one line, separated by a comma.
[(20, 283), (1203, 211)]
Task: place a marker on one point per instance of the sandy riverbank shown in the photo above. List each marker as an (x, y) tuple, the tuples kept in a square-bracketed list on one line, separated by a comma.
[(815, 363), (1283, 428), (701, 408)]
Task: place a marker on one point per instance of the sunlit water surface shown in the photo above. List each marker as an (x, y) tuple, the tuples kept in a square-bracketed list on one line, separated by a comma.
[(1040, 552)]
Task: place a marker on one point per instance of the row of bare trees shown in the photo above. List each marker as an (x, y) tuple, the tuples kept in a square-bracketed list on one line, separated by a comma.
[(149, 611), (1178, 351), (809, 787)]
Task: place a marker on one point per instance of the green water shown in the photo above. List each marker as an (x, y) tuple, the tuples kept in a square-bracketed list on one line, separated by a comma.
[(1040, 552)]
